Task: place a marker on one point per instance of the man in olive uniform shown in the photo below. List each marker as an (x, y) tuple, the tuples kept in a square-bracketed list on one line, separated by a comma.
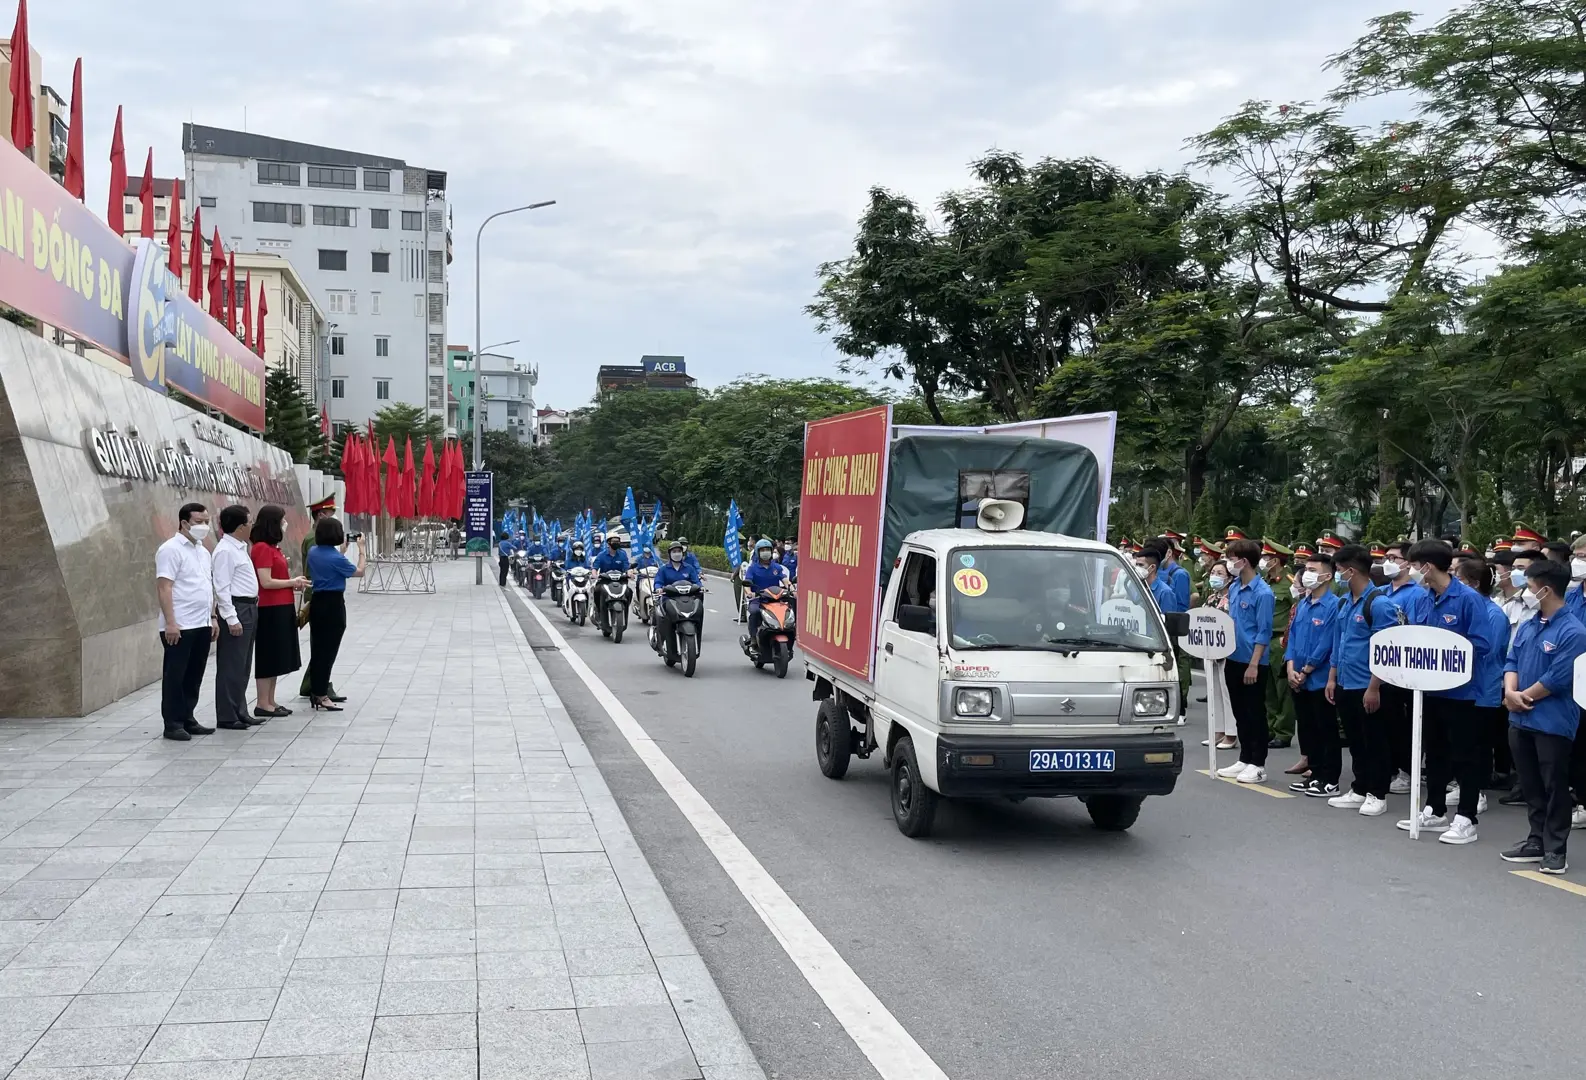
[(325, 508), (1281, 720)]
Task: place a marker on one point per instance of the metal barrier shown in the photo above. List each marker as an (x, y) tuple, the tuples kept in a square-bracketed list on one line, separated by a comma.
[(403, 572)]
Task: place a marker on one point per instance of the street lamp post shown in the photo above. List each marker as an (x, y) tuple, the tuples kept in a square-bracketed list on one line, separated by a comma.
[(478, 337), (479, 562)]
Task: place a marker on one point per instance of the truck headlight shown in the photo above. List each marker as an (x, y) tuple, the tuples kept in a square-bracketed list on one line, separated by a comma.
[(969, 701), (1150, 702)]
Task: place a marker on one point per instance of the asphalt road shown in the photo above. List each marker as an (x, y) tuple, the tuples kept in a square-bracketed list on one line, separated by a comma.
[(1229, 934)]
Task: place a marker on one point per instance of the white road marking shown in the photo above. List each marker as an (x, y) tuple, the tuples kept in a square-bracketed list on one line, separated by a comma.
[(890, 1049)]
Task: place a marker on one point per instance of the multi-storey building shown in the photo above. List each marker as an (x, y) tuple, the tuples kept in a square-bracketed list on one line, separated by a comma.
[(370, 235), (507, 400)]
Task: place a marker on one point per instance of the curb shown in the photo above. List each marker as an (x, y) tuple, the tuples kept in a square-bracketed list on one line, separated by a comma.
[(719, 1048)]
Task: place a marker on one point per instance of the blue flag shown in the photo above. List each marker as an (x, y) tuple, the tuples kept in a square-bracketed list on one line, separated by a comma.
[(730, 540), (630, 509)]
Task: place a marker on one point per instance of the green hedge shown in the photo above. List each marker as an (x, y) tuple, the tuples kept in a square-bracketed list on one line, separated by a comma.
[(711, 558)]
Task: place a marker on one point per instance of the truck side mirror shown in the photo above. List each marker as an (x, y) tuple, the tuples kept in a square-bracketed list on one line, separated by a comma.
[(1177, 623), (917, 619)]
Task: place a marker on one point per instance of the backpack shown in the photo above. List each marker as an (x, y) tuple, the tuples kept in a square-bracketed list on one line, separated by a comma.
[(1371, 596)]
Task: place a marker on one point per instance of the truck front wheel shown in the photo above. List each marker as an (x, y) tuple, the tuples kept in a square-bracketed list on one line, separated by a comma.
[(913, 804), (833, 740), (1114, 813)]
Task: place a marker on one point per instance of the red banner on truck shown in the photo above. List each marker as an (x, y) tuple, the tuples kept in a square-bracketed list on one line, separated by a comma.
[(840, 516)]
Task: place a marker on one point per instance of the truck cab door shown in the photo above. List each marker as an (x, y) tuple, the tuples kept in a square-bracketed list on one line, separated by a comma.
[(908, 667)]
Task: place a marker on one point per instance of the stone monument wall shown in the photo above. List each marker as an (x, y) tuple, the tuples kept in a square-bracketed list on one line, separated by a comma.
[(93, 468)]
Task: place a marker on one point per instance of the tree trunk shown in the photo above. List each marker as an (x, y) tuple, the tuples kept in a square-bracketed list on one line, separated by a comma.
[(1194, 476), (928, 386)]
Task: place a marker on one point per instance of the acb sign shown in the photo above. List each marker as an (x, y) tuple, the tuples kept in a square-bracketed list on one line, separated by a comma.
[(665, 365)]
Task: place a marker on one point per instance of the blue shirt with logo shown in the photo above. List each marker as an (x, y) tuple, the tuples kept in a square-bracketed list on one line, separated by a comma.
[(1250, 606), (1356, 619), (1414, 600), (1177, 579), (670, 574), (1575, 602), (1463, 610), (1311, 638), (1544, 651)]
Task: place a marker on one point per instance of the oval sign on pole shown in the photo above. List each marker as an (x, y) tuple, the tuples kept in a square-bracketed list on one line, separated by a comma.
[(1421, 657), (1121, 611), (1210, 636), (1580, 680)]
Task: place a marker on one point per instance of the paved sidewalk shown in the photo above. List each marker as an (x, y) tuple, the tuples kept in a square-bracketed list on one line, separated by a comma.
[(434, 884)]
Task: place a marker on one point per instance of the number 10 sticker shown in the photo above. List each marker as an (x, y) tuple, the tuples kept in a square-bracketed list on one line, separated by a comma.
[(970, 582)]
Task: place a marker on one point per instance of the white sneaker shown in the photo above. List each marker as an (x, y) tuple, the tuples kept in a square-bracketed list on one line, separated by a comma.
[(1481, 804), (1347, 801), (1206, 742), (1452, 791), (1463, 831), (1430, 822), (1400, 784), (1253, 774), (1374, 807), (1231, 772), (1577, 818)]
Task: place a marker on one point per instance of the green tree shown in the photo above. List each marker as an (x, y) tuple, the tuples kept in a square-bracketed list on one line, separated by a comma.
[(289, 421), (401, 421), (1387, 522)]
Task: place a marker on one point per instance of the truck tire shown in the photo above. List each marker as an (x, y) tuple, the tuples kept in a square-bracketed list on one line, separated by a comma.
[(913, 804), (833, 740), (1114, 813)]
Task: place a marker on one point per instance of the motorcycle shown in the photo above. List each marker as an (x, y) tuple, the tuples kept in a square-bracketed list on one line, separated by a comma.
[(612, 598), (539, 574), (644, 591), (773, 639), (558, 576), (679, 624), (575, 598), (519, 568)]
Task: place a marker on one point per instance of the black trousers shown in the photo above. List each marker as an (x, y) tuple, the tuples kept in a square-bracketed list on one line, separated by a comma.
[(1543, 763), (1495, 728), (233, 662), (181, 675), (1318, 724), (1395, 713), (327, 622), (1456, 749), (1370, 749), (1250, 710), (506, 562)]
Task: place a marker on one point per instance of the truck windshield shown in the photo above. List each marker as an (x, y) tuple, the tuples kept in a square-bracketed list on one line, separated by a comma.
[(1041, 598)]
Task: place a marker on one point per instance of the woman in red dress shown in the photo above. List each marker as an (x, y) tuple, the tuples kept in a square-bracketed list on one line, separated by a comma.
[(276, 650)]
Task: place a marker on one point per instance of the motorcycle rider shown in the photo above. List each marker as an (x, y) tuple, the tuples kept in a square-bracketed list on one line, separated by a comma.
[(676, 568), (688, 556), (504, 549), (646, 558), (763, 573), (613, 558)]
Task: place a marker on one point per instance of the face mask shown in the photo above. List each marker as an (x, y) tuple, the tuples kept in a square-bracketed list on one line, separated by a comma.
[(1142, 569), (1517, 578), (1417, 576), (1296, 592), (198, 532), (1237, 566), (1491, 555), (765, 556), (1217, 581), (677, 556), (1577, 569), (1265, 565), (1530, 599), (1311, 579), (1391, 569)]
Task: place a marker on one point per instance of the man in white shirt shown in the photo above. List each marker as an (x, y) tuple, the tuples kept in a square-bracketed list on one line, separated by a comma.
[(237, 600), (184, 580)]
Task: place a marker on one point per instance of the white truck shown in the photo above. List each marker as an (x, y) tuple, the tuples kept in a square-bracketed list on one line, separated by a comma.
[(1010, 661)]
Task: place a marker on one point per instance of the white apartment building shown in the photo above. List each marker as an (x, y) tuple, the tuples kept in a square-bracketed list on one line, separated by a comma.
[(509, 396), (371, 237)]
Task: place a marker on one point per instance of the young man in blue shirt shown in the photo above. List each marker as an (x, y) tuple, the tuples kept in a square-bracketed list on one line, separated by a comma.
[(1543, 720), (1453, 737), (1488, 677), (1362, 610), (1245, 671), (1174, 576), (1146, 563), (1415, 609), (1309, 658)]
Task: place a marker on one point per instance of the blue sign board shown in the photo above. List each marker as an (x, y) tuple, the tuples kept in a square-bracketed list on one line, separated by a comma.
[(479, 512), (664, 365)]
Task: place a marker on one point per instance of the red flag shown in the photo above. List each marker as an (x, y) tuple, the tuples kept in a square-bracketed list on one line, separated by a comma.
[(427, 484), (146, 198), (231, 292), (247, 311), (392, 507), (21, 83), (195, 261), (217, 278), (173, 231), (407, 480), (74, 136), (118, 179), (258, 347), (324, 420), (459, 489), (370, 460), (349, 473)]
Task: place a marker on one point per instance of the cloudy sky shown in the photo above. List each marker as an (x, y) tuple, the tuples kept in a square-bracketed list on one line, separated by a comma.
[(705, 155)]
